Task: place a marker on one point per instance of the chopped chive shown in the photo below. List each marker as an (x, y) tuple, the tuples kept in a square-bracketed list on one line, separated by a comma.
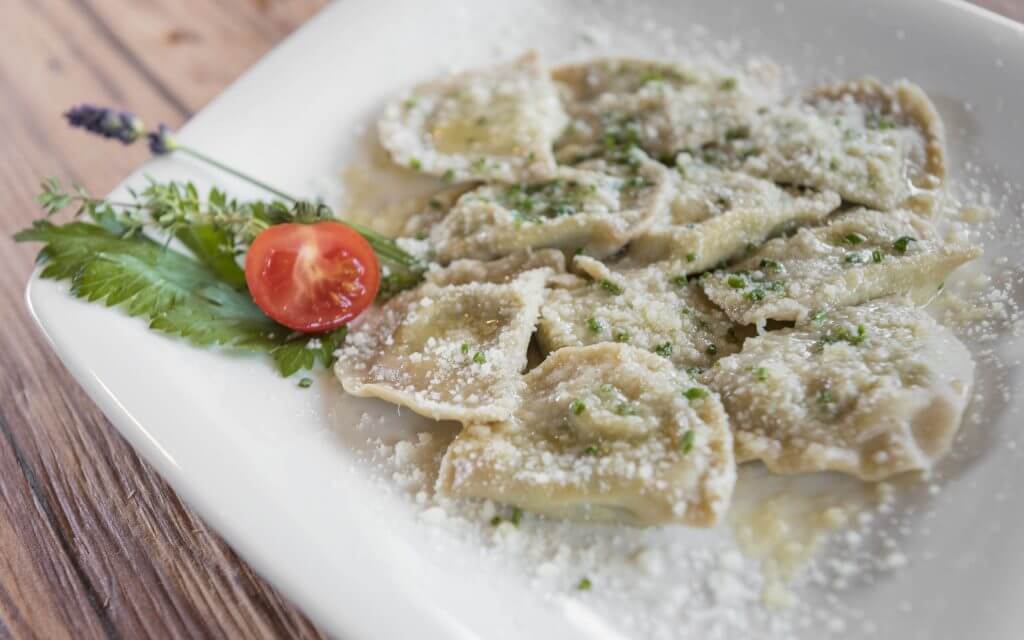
[(448, 176), (479, 357), (415, 164), (517, 516), (606, 389), (818, 317), (736, 282), (495, 521), (728, 84), (901, 244), (711, 350), (691, 257), (760, 374), (695, 393), (577, 407), (595, 325), (664, 349), (611, 287), (306, 383), (625, 409), (855, 257), (772, 265), (694, 371), (464, 348), (854, 238), (754, 295), (824, 397), (876, 256), (620, 335), (686, 444), (584, 584), (592, 450), (679, 281)]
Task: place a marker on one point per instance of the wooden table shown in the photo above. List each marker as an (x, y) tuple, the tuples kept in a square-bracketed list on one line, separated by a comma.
[(92, 543)]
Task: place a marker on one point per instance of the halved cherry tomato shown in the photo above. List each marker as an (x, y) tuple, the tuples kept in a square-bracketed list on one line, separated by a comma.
[(312, 277)]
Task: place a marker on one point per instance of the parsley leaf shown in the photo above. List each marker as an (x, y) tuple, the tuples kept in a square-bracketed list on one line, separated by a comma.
[(179, 296)]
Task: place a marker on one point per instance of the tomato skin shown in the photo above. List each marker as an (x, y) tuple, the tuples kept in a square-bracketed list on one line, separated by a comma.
[(312, 277)]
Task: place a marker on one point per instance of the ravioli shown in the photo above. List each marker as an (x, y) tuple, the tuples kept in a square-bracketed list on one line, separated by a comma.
[(500, 270), (581, 209), (663, 108), (652, 308), (490, 124), (446, 352), (715, 215), (872, 144), (872, 390), (857, 256), (605, 432)]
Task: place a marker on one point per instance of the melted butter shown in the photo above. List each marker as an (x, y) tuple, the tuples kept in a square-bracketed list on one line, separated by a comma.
[(488, 128), (381, 195), (784, 521)]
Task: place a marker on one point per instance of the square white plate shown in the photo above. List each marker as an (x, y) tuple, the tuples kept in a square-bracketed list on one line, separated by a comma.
[(275, 469)]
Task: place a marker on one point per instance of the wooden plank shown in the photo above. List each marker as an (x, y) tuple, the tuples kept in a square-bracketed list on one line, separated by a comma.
[(95, 544), (173, 41), (1013, 9)]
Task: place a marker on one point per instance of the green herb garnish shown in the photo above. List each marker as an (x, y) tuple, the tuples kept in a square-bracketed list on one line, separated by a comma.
[(736, 282), (595, 325), (664, 349), (901, 244), (695, 393), (686, 443), (110, 263), (577, 407), (611, 287)]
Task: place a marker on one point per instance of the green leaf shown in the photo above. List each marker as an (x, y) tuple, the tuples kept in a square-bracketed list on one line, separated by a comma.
[(212, 246), (178, 295), (306, 354)]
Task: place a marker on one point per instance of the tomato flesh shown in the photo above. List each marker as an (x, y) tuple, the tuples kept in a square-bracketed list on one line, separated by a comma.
[(312, 277)]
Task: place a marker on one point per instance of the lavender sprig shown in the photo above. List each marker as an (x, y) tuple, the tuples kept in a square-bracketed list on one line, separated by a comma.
[(119, 125)]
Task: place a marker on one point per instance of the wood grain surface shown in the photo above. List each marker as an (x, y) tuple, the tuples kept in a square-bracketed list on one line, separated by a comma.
[(93, 544)]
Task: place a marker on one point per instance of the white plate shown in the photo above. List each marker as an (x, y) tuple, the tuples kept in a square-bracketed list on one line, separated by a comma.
[(276, 470)]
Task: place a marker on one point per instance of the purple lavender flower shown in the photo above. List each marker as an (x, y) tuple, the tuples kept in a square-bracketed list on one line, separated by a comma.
[(161, 141), (108, 123)]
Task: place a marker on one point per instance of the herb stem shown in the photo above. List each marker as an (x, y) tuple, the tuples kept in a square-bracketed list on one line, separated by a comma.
[(238, 174), (383, 245)]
